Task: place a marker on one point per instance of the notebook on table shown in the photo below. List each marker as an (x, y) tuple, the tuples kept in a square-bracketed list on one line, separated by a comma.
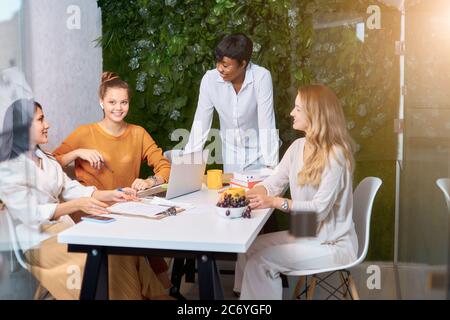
[(144, 210)]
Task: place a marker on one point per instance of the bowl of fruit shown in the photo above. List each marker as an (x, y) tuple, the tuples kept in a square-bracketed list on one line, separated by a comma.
[(233, 204)]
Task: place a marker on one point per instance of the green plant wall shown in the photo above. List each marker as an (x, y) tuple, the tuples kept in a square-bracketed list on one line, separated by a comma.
[(163, 48)]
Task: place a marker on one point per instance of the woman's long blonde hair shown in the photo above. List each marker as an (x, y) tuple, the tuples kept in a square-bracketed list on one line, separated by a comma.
[(327, 132)]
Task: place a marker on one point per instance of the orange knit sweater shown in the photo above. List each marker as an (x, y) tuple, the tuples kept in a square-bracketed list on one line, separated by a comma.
[(123, 155)]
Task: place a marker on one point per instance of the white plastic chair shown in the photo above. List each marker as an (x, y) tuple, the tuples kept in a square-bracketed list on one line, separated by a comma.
[(40, 292), (363, 198), (444, 185)]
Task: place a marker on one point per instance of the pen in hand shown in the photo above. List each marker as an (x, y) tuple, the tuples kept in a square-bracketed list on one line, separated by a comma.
[(129, 195), (106, 166)]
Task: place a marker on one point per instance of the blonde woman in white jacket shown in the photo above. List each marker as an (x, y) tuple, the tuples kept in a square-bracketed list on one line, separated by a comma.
[(318, 169)]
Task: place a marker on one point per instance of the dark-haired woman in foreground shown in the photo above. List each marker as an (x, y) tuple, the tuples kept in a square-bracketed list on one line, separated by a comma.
[(39, 196)]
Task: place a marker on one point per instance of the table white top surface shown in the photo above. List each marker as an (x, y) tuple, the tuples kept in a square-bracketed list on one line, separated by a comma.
[(197, 229)]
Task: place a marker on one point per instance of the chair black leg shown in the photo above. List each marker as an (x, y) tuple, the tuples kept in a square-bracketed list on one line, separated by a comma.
[(343, 289), (344, 281), (337, 292), (177, 275), (190, 271)]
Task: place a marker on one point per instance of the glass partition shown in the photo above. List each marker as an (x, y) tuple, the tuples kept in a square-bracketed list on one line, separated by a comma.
[(424, 215), (15, 281)]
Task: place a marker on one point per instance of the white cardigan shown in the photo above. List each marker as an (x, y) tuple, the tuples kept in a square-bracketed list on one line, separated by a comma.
[(332, 200), (31, 194)]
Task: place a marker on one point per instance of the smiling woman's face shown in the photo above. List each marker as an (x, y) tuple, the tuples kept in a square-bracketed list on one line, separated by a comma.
[(230, 69), (115, 104), (39, 128), (299, 115)]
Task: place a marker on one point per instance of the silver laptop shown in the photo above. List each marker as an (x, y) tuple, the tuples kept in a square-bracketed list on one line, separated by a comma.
[(186, 175)]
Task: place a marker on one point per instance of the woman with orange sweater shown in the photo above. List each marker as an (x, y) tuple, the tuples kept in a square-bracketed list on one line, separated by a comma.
[(108, 154)]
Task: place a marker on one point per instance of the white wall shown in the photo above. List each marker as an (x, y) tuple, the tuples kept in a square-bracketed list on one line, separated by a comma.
[(64, 65), (10, 42)]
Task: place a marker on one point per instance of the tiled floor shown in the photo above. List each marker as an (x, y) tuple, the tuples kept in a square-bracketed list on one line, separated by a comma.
[(16, 285), (414, 280)]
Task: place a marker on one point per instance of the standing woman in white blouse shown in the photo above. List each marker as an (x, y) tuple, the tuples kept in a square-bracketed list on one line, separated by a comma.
[(39, 196), (318, 169), (241, 92)]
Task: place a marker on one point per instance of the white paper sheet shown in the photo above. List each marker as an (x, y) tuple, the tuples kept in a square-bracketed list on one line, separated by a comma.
[(165, 202), (137, 208)]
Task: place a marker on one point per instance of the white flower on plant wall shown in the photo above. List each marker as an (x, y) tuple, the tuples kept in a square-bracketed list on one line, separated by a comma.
[(163, 79), (238, 21), (256, 47), (292, 16), (328, 47), (144, 44), (140, 82), (135, 52), (143, 12), (380, 118), (171, 29), (366, 132), (171, 3), (350, 124), (157, 89), (134, 63), (196, 48), (175, 115), (362, 110)]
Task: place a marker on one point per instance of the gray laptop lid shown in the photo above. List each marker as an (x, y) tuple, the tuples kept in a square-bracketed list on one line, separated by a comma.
[(186, 173)]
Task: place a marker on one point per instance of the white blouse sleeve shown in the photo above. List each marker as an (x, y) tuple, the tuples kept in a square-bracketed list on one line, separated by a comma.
[(202, 120), (277, 182), (72, 189), (21, 199), (331, 185)]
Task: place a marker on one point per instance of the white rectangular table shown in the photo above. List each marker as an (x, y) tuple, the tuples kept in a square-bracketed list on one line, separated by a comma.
[(198, 233)]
